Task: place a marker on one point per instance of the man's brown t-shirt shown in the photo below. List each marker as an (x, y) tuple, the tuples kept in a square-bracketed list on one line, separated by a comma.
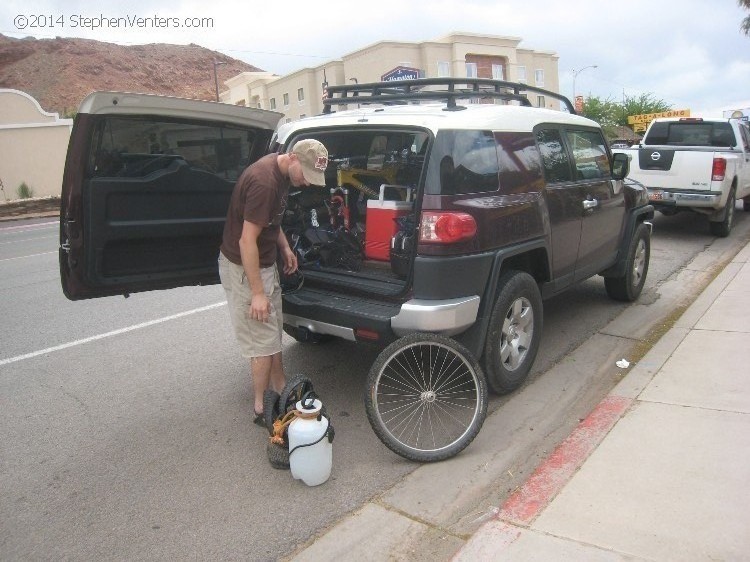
[(259, 197)]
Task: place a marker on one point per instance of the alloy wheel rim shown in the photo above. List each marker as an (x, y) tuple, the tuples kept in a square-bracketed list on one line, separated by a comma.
[(517, 333)]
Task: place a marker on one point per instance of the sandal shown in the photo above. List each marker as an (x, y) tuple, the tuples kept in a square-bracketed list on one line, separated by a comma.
[(260, 420)]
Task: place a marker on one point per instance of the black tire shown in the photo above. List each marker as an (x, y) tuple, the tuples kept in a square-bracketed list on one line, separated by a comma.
[(746, 204), (426, 397), (307, 337), (628, 287), (278, 456), (271, 410), (724, 226), (514, 332), (293, 391)]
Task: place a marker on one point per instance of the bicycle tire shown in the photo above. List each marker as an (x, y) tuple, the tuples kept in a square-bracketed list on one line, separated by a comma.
[(426, 397)]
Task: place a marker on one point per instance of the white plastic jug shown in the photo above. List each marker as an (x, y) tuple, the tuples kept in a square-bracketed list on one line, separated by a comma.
[(310, 450)]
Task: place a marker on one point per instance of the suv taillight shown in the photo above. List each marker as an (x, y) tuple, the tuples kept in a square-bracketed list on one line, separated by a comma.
[(446, 227), (719, 169)]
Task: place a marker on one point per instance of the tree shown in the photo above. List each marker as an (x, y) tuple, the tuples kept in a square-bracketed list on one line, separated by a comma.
[(611, 114), (745, 25)]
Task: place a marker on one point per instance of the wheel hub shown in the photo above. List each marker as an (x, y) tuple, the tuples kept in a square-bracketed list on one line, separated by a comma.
[(428, 396)]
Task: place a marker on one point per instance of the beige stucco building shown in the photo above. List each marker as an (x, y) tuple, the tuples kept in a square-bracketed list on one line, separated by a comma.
[(33, 144), (456, 55)]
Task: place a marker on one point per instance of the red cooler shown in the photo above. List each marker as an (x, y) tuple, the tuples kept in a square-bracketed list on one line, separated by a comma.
[(381, 226)]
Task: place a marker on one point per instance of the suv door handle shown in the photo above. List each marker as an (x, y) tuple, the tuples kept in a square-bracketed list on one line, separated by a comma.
[(590, 204)]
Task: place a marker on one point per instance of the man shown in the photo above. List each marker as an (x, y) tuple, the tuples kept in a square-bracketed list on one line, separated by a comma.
[(247, 262)]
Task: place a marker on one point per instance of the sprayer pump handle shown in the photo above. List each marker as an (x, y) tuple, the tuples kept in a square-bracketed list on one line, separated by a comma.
[(308, 400)]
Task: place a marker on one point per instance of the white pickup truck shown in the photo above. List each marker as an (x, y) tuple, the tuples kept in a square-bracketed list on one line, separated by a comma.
[(700, 165)]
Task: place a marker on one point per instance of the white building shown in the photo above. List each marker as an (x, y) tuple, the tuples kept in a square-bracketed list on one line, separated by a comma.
[(459, 55)]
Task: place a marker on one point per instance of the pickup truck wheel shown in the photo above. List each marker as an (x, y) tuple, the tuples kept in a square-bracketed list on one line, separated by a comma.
[(426, 397), (514, 332), (724, 227), (628, 287)]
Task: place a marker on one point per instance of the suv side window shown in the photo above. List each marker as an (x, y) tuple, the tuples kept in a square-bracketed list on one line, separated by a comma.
[(137, 147), (589, 154), (463, 161), (555, 158)]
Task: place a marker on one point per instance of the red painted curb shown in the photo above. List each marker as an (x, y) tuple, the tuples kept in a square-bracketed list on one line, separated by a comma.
[(555, 471)]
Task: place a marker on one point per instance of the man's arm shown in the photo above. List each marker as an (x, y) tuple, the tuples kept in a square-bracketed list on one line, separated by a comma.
[(259, 305), (290, 258)]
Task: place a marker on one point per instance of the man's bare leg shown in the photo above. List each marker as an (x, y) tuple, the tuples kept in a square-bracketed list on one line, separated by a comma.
[(267, 372)]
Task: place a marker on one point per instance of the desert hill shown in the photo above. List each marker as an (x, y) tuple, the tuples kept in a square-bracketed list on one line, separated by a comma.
[(60, 72)]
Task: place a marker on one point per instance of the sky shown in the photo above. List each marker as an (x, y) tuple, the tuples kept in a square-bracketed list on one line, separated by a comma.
[(689, 53)]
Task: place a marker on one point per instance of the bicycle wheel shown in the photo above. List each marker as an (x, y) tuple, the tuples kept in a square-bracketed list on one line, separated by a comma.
[(293, 391), (426, 397)]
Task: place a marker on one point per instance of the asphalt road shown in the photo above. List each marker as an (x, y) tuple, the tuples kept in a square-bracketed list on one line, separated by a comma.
[(126, 423)]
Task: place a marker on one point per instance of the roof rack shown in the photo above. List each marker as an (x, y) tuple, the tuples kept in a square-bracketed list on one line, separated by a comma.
[(420, 89)]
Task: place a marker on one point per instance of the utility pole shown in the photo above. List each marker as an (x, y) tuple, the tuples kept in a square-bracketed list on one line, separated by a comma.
[(216, 77)]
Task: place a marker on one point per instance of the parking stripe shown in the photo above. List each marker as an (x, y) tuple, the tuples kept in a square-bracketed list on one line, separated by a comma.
[(108, 334)]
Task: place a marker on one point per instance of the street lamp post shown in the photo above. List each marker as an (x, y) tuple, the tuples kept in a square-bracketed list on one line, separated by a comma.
[(216, 77), (575, 75)]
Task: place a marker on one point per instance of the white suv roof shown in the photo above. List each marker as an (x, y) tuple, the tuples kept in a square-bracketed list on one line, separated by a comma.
[(435, 117)]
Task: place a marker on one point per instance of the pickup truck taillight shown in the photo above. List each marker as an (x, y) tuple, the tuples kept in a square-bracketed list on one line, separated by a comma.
[(446, 227), (719, 169)]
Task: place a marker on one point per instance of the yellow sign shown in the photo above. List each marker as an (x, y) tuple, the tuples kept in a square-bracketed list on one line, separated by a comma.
[(646, 118)]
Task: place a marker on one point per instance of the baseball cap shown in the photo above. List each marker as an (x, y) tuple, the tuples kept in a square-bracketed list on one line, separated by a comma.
[(314, 159)]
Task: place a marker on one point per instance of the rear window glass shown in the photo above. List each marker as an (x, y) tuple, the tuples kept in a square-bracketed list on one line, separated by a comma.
[(137, 147), (463, 162), (690, 133)]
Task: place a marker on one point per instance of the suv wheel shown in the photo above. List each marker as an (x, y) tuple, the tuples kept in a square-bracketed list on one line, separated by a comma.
[(628, 287), (514, 332)]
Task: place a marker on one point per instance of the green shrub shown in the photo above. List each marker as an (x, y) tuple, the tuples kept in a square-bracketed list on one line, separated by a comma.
[(25, 191)]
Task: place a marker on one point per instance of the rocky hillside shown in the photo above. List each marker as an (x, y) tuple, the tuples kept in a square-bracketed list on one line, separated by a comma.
[(60, 72)]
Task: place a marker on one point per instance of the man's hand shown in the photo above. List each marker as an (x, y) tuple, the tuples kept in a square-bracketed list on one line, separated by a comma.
[(260, 308), (290, 260)]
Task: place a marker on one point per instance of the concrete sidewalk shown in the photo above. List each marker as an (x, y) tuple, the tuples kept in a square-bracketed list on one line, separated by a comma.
[(660, 470)]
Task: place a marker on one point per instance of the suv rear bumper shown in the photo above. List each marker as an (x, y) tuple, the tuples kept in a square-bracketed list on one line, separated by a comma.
[(330, 313), (447, 317)]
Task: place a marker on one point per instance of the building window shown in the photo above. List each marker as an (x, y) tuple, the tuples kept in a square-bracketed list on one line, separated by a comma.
[(497, 72), (471, 70), (539, 77), (521, 73), (286, 100), (444, 69), (540, 101), (272, 103), (300, 94)]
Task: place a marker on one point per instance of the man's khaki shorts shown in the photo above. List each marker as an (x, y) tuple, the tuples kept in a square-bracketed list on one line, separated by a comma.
[(256, 338)]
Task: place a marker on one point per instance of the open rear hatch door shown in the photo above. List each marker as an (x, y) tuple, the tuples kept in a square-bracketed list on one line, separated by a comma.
[(146, 189)]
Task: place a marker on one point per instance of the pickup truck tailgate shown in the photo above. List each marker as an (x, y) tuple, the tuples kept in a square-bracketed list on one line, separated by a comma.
[(664, 167)]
